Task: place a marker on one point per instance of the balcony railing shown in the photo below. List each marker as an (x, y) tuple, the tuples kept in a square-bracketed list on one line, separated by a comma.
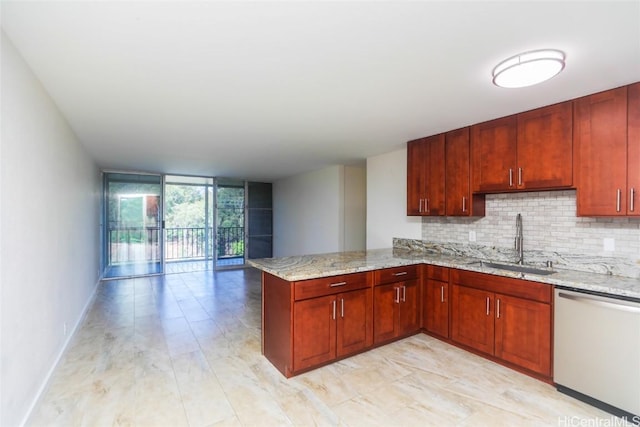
[(130, 244)]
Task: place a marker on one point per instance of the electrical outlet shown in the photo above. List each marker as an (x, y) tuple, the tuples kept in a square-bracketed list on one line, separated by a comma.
[(472, 236), (609, 244)]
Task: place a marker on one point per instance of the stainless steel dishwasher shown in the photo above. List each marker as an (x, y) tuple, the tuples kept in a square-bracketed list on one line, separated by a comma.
[(597, 350)]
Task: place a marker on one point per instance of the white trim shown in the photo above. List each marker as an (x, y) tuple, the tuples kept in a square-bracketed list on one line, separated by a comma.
[(45, 384)]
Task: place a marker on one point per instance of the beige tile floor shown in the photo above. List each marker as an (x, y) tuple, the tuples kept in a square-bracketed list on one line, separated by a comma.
[(184, 350)]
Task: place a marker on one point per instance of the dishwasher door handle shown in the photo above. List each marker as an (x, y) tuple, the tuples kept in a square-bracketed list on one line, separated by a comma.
[(622, 306)]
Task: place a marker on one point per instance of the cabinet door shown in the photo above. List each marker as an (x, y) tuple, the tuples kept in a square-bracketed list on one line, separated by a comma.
[(385, 312), (600, 138), (434, 202), (523, 333), (493, 155), (416, 155), (458, 174), (314, 331), (354, 331), (545, 148), (472, 321), (436, 307), (409, 314), (633, 149)]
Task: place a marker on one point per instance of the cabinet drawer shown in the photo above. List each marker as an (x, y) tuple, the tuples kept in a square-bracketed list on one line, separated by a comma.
[(435, 272), (329, 285), (396, 274)]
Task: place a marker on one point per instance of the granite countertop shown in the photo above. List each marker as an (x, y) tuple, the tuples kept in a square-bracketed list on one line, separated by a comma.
[(305, 267)]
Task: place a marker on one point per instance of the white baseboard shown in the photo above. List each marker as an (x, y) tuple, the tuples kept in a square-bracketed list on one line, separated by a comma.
[(63, 350)]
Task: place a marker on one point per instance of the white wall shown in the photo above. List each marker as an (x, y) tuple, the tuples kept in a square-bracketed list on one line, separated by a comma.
[(310, 214), (387, 201), (49, 234), (355, 208)]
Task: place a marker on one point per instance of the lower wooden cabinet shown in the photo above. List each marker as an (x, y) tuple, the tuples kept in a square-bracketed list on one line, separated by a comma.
[(329, 327), (306, 324), (309, 323), (514, 327), (396, 303), (435, 301)]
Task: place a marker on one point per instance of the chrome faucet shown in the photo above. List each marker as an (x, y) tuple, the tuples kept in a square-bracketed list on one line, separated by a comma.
[(519, 240)]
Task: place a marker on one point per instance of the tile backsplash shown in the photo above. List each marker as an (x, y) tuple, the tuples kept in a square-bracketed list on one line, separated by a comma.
[(550, 226)]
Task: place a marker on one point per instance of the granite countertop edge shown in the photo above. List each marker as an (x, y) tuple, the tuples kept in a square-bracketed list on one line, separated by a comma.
[(297, 268)]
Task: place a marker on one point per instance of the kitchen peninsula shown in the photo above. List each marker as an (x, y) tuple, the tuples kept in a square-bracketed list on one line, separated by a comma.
[(317, 309)]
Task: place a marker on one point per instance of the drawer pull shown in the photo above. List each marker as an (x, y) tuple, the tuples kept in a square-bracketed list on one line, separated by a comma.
[(333, 285), (402, 273)]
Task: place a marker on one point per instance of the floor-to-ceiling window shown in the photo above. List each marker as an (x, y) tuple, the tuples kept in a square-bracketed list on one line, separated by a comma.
[(167, 224), (230, 223), (133, 237), (189, 223)]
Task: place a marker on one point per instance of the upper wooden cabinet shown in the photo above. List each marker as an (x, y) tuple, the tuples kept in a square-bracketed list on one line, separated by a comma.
[(425, 176), (493, 155), (459, 201), (607, 153), (526, 151)]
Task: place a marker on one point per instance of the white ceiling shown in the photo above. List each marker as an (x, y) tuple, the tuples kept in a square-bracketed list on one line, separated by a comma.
[(263, 90)]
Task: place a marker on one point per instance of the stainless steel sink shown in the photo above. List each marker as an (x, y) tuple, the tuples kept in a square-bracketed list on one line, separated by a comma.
[(515, 267)]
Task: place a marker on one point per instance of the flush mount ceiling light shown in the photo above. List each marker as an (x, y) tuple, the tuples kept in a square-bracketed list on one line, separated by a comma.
[(528, 68)]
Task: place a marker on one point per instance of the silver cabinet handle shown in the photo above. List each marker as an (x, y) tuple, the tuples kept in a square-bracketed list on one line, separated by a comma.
[(632, 195), (342, 307), (519, 176), (498, 308), (442, 293), (334, 309), (618, 196), (334, 285), (510, 177), (397, 298), (420, 207), (404, 294), (464, 204), (618, 305), (487, 306), (426, 205), (402, 273)]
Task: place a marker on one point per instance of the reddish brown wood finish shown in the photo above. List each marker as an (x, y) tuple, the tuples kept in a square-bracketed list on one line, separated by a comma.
[(545, 148), (472, 318), (493, 155), (385, 312), (409, 310), (504, 317), (633, 149), (329, 285), (396, 310), (391, 275), (436, 307), (314, 333), (600, 142), (515, 287), (425, 176), (523, 333), (459, 201), (277, 322), (416, 180), (354, 326)]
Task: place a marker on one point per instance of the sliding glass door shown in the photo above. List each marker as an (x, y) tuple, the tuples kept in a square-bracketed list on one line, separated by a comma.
[(188, 223), (158, 224), (133, 229)]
